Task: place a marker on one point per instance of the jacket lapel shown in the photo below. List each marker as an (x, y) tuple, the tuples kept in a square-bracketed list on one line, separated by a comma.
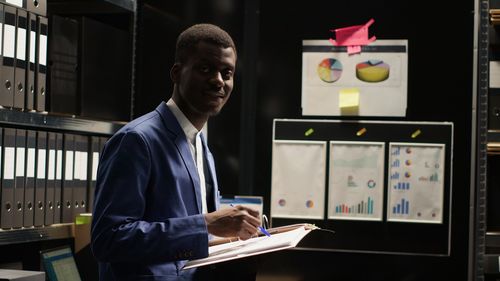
[(181, 142)]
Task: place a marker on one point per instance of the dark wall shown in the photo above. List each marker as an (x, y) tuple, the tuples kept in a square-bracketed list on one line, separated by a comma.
[(160, 22), (440, 35)]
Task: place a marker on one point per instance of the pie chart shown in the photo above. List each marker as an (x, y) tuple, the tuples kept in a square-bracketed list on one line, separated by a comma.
[(329, 70), (372, 71)]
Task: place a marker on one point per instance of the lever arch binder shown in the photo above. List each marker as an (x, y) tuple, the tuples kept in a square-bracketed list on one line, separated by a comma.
[(67, 181), (20, 174), (29, 188), (41, 163), (41, 70), (8, 57), (30, 66), (94, 162), (8, 160), (58, 203), (20, 63), (80, 175), (51, 175)]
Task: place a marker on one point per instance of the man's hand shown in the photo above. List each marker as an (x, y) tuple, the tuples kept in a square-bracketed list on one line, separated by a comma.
[(238, 221)]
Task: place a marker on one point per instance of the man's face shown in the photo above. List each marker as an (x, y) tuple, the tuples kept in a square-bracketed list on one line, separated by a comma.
[(205, 80)]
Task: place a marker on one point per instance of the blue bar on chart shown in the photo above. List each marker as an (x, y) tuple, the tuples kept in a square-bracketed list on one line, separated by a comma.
[(395, 163), (402, 186), (403, 208), (395, 176), (360, 208), (395, 151)]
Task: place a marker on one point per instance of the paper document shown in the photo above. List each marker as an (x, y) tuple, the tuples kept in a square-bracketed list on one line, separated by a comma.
[(378, 73), (251, 247)]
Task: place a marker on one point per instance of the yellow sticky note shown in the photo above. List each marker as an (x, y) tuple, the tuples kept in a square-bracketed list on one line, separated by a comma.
[(349, 101)]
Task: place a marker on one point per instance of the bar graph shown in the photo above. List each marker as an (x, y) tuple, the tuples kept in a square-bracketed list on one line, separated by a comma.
[(402, 208), (434, 177), (402, 186), (363, 207)]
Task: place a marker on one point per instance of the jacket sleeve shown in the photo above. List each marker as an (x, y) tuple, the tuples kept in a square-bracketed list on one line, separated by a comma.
[(119, 232)]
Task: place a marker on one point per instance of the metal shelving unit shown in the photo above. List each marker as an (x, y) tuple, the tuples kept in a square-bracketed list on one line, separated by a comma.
[(34, 120), (92, 6), (66, 123), (31, 234)]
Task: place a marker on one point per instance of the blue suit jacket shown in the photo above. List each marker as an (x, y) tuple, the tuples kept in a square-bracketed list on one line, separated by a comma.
[(147, 212)]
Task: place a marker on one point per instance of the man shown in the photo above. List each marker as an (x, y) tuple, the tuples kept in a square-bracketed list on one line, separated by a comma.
[(157, 195)]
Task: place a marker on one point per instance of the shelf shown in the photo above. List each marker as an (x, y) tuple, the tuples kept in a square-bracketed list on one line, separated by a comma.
[(128, 5), (35, 120), (80, 7), (24, 235)]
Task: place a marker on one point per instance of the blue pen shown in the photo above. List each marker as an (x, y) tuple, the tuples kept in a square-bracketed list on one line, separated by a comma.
[(263, 230)]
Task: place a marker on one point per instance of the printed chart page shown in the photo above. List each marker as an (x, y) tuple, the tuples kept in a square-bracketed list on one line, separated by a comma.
[(416, 183), (356, 181), (298, 179)]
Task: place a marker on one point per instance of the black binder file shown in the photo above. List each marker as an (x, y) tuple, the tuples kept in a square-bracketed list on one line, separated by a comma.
[(51, 175), (58, 203), (63, 79), (41, 163), (30, 67), (20, 172), (20, 63), (41, 70), (8, 154), (38, 7), (29, 188), (8, 55), (68, 178), (95, 149), (80, 175)]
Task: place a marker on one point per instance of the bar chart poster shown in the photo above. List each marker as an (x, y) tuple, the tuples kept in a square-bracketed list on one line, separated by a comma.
[(416, 182), (356, 180), (298, 179)]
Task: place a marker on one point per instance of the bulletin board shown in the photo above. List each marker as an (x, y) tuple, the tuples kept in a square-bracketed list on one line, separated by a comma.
[(382, 186)]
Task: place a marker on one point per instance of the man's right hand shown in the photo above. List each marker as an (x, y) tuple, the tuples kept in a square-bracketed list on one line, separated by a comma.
[(238, 221)]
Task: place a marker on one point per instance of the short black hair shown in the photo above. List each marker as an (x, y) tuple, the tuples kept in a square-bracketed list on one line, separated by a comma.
[(189, 38)]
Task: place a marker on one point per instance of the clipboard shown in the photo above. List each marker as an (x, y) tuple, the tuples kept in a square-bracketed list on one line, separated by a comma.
[(227, 249)]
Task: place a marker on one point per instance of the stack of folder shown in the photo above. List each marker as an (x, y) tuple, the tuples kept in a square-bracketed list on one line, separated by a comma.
[(23, 59), (46, 177), (495, 16)]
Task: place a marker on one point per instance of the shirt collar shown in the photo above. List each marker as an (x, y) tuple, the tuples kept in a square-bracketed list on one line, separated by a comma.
[(189, 129)]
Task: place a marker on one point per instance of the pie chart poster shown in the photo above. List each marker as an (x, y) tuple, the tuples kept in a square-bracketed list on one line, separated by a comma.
[(378, 73)]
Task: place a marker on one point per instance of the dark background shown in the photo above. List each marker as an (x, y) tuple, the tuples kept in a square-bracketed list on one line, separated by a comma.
[(269, 37)]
